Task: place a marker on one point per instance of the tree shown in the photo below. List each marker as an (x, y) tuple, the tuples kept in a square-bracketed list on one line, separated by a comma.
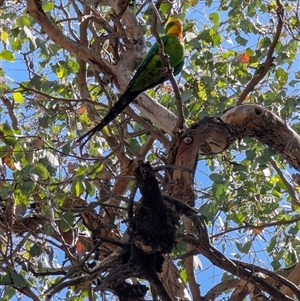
[(127, 215)]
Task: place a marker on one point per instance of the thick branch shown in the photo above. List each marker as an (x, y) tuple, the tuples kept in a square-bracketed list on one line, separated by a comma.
[(288, 284), (294, 278), (157, 113), (34, 8), (214, 135), (221, 261)]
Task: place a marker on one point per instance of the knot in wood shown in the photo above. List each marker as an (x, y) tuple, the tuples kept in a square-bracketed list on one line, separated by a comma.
[(188, 140)]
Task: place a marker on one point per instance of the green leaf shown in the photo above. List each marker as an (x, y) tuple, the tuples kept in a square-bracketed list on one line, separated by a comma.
[(60, 71), (78, 186), (219, 192), (42, 171), (183, 275), (281, 76), (90, 189), (12, 278), (250, 155), (276, 193), (293, 230), (19, 280), (240, 40), (7, 56), (48, 6), (18, 97), (4, 36), (32, 44), (276, 265), (41, 44), (217, 178), (3, 151), (226, 277), (26, 187), (186, 95), (16, 44), (195, 42), (23, 21), (8, 134), (49, 159), (135, 145), (97, 170), (238, 217), (48, 229), (165, 8), (8, 293), (292, 83), (264, 43), (239, 167), (44, 121), (81, 170), (250, 52), (209, 210), (272, 245), (35, 250), (243, 248), (66, 221)]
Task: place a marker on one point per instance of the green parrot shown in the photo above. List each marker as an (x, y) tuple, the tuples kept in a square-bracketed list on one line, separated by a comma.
[(148, 75)]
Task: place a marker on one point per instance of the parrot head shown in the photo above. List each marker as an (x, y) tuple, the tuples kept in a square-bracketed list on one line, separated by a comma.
[(175, 27)]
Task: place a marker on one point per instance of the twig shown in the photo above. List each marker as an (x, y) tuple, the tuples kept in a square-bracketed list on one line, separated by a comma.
[(261, 226), (290, 189), (28, 292), (146, 146), (61, 283), (155, 132), (10, 110), (57, 98), (189, 264), (269, 60)]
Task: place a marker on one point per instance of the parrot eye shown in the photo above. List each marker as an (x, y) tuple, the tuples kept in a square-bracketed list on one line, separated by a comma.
[(178, 23), (188, 140)]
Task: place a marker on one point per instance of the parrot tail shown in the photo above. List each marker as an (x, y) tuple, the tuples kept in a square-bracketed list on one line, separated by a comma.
[(125, 99)]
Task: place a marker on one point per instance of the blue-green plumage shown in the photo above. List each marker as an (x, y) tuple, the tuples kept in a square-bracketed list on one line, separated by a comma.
[(149, 74)]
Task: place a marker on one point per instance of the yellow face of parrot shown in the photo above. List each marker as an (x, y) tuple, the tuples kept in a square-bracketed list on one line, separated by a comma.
[(175, 27)]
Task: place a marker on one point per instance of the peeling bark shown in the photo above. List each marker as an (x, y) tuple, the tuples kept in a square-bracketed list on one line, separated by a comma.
[(214, 135), (293, 277)]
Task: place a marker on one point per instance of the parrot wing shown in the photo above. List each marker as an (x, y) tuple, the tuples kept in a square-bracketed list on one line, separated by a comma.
[(148, 75)]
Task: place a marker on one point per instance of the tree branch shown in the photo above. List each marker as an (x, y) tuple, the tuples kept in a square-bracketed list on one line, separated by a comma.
[(221, 261), (255, 269), (10, 110), (269, 60), (34, 8)]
